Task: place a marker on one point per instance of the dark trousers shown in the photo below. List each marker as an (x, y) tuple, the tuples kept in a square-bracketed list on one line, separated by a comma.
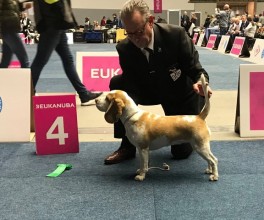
[(26, 34), (231, 42), (223, 30), (191, 105), (12, 44), (49, 41)]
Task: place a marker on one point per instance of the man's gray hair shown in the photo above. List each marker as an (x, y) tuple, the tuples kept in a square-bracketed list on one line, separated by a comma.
[(135, 5)]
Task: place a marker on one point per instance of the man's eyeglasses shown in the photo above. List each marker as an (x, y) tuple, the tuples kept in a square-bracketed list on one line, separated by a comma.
[(138, 33)]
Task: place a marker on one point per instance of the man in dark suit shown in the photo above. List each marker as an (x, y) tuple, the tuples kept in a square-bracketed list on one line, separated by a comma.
[(160, 66)]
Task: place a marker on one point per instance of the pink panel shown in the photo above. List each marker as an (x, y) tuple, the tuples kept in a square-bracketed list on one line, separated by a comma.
[(60, 112), (211, 41), (195, 37), (237, 46), (14, 64), (98, 70), (256, 100)]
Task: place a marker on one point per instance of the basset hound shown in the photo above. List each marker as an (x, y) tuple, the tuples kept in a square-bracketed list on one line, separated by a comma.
[(148, 131)]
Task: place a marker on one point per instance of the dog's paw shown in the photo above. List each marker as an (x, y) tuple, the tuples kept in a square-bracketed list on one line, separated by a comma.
[(139, 177), (213, 177), (138, 171)]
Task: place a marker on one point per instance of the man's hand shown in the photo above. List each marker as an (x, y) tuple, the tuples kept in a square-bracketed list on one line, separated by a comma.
[(197, 87)]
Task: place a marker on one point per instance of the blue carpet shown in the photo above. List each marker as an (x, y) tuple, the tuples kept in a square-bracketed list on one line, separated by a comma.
[(92, 190)]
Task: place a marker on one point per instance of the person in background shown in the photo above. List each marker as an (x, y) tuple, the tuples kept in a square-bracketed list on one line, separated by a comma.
[(86, 24), (261, 19), (52, 21), (243, 24), (214, 21), (207, 21), (109, 23), (249, 33), (25, 26), (256, 18), (193, 19), (160, 65), (185, 21), (233, 31), (96, 25), (103, 22), (115, 21), (223, 16), (9, 27)]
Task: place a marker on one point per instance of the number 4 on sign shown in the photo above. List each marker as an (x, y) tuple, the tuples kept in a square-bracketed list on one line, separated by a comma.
[(60, 135)]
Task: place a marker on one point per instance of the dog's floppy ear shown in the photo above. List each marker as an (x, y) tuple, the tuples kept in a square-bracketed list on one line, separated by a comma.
[(114, 110)]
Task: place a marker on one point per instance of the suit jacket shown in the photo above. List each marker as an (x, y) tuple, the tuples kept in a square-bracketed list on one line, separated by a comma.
[(176, 64)]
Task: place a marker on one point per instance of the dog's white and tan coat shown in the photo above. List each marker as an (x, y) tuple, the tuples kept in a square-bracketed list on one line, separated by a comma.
[(148, 131)]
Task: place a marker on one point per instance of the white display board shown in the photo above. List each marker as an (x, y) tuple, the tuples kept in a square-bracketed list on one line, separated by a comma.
[(223, 43), (15, 105), (251, 96), (200, 40), (257, 53)]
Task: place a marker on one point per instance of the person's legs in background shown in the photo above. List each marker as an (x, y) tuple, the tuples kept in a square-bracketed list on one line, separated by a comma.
[(69, 67), (223, 30), (47, 42), (56, 39), (12, 44), (6, 55)]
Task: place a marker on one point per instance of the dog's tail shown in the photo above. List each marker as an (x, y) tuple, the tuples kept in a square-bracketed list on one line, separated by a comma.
[(205, 111)]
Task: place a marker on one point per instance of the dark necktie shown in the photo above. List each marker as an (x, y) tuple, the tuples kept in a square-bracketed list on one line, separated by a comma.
[(151, 56)]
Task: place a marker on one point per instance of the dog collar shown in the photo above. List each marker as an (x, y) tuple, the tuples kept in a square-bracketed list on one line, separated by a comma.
[(127, 119)]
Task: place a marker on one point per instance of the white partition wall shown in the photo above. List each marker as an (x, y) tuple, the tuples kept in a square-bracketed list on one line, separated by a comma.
[(15, 105), (251, 96)]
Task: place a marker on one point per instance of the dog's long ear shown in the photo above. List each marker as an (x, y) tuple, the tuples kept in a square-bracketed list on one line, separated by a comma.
[(114, 111)]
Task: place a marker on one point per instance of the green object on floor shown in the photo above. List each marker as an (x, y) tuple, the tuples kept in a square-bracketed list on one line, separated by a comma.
[(60, 169)]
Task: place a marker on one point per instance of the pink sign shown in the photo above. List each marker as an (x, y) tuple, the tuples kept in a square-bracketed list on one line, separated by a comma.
[(98, 70), (237, 45), (157, 6), (14, 64), (211, 41), (56, 124), (195, 36), (256, 100)]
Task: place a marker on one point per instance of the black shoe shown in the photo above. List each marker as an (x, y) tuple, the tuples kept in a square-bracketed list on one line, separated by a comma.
[(215, 48), (181, 151), (126, 151), (88, 98), (243, 56), (228, 51), (122, 154)]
